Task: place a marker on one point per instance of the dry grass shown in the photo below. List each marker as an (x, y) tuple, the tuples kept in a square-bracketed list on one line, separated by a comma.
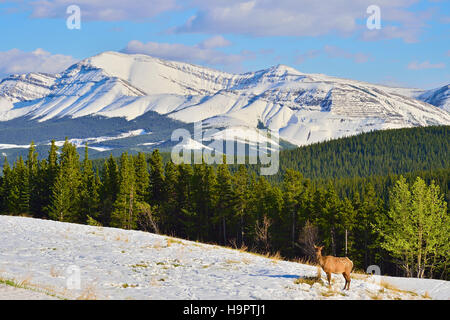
[(89, 293), (375, 296), (275, 256), (426, 295), (156, 282), (121, 237), (171, 241), (306, 260), (241, 248), (359, 276), (308, 280), (230, 261), (393, 288), (139, 265), (246, 260), (25, 282), (55, 273), (311, 280)]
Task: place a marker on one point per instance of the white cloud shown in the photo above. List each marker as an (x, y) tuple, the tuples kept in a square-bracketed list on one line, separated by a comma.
[(215, 42), (202, 53), (414, 65), (332, 52), (303, 18), (104, 10), (336, 52), (39, 60), (302, 57)]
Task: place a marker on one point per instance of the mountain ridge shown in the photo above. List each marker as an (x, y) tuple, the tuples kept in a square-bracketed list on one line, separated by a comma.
[(303, 108)]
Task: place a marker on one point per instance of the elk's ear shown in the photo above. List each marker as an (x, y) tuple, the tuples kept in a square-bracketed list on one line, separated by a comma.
[(321, 247), (315, 247)]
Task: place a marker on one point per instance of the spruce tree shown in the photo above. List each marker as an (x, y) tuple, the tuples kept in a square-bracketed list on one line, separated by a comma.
[(225, 199), (169, 209), (124, 214), (49, 174), (142, 178), (10, 194), (109, 189), (242, 194), (65, 200), (156, 191), (89, 190), (33, 180), (21, 180)]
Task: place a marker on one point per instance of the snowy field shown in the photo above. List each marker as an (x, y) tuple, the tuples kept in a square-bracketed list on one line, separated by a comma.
[(43, 256)]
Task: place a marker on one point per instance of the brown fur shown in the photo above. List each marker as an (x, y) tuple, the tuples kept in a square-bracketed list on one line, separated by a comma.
[(338, 265)]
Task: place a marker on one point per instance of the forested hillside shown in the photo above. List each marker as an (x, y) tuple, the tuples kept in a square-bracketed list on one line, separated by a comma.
[(376, 153)]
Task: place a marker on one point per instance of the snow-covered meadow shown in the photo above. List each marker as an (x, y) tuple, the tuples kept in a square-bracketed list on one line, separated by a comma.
[(118, 264)]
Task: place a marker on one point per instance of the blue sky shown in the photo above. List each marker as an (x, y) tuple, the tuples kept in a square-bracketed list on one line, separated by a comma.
[(410, 49)]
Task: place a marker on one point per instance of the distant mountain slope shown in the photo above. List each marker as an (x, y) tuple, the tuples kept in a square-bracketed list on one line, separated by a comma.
[(439, 97), (303, 108), (375, 153)]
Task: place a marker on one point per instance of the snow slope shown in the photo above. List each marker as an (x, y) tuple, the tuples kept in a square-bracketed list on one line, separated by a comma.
[(120, 264), (440, 97), (303, 108)]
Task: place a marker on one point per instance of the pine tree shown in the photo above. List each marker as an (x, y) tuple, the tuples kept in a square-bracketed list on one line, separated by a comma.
[(368, 214), (169, 209), (185, 210), (292, 190), (142, 178), (109, 189), (65, 200), (225, 199), (156, 192), (346, 223), (21, 179), (242, 198), (89, 190), (329, 219), (33, 180), (48, 176), (10, 194), (124, 214)]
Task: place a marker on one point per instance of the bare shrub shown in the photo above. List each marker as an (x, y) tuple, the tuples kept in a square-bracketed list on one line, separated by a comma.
[(308, 238), (146, 219), (262, 232)]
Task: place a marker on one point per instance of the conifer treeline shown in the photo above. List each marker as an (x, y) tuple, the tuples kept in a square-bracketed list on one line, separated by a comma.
[(206, 203)]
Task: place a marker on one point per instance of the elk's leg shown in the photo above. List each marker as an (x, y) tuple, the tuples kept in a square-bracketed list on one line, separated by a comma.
[(329, 279), (347, 281), (345, 277)]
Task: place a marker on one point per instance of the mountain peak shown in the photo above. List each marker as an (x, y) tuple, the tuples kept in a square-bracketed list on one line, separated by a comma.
[(286, 69)]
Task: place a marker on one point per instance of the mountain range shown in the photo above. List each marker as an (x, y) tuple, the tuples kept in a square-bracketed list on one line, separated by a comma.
[(117, 101)]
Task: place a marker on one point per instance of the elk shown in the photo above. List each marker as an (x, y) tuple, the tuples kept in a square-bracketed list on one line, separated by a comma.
[(332, 264)]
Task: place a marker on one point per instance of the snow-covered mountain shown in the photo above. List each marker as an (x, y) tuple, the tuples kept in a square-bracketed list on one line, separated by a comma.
[(439, 97), (303, 108)]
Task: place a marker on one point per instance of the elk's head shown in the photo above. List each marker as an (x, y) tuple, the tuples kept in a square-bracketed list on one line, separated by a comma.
[(318, 250)]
